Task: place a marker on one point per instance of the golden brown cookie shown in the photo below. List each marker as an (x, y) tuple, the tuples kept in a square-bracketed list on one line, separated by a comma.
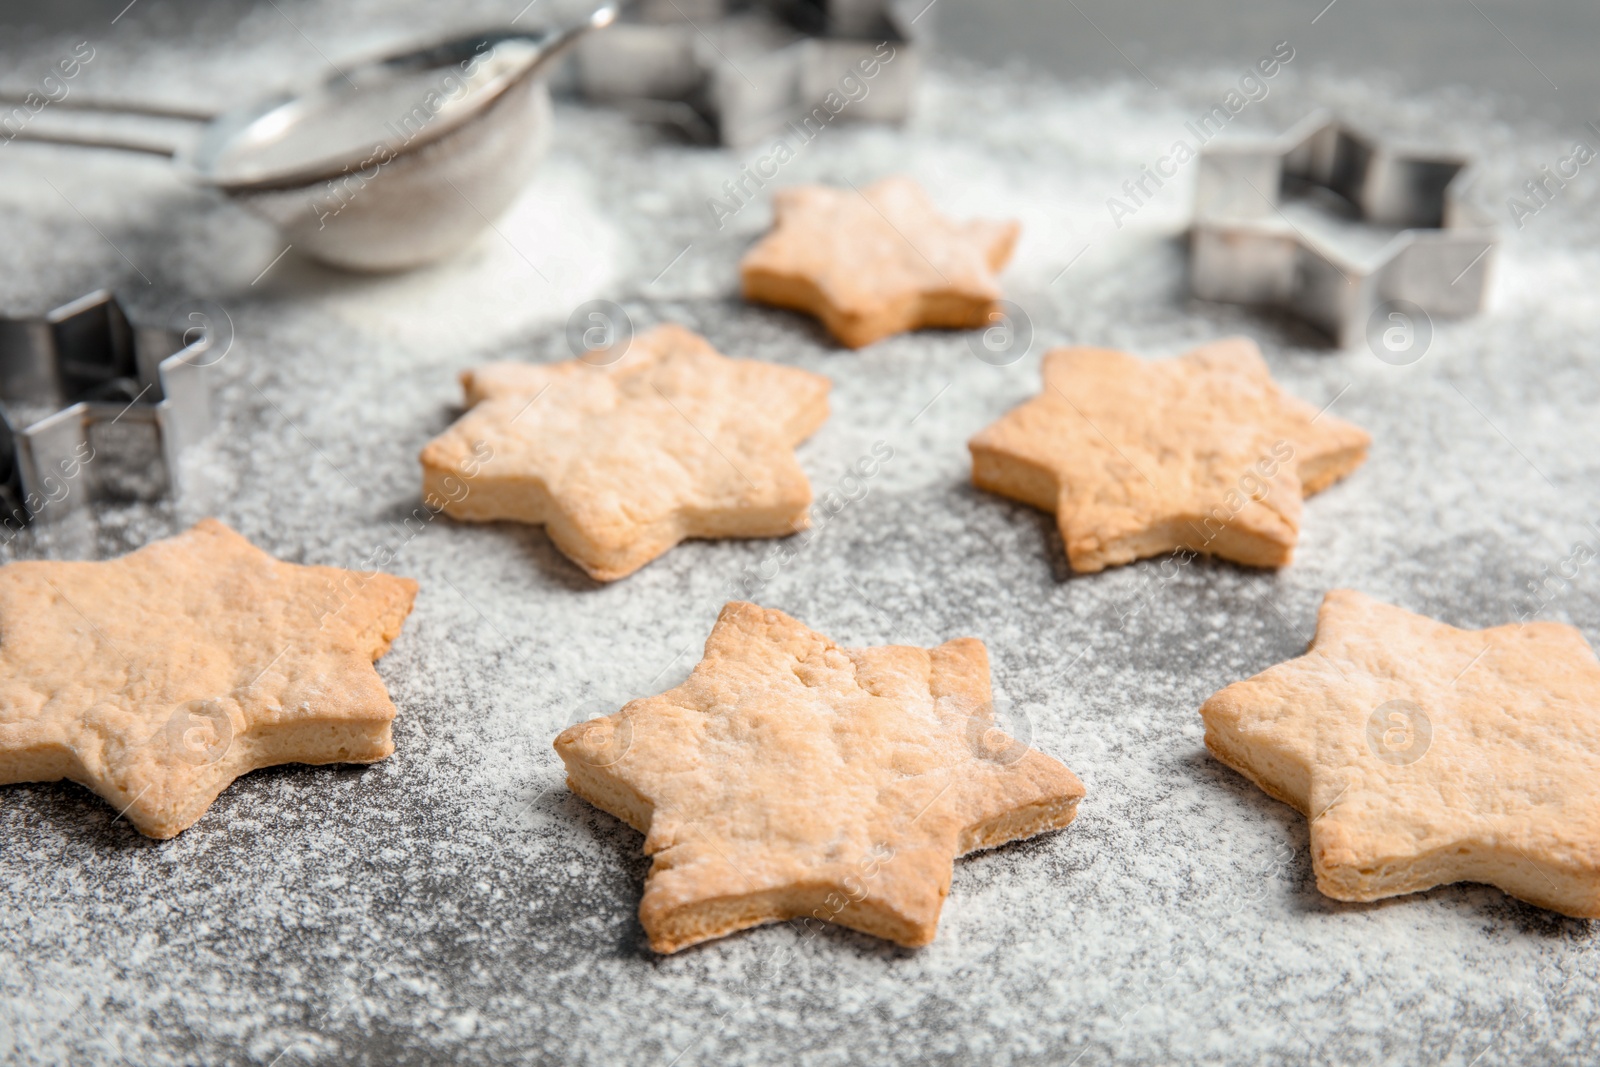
[(621, 462), (1425, 755), (158, 678), (791, 778), (1136, 458), (877, 261)]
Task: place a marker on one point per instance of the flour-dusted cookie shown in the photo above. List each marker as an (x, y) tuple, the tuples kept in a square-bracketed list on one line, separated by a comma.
[(622, 461), (1424, 754), (791, 778), (877, 261), (1135, 458), (158, 678)]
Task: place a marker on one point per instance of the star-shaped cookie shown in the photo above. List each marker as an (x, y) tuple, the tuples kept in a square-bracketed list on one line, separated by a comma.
[(622, 461), (792, 778), (877, 261), (158, 678), (1137, 458), (1424, 754)]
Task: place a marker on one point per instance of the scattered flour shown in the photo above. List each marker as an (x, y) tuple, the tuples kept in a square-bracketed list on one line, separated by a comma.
[(454, 902)]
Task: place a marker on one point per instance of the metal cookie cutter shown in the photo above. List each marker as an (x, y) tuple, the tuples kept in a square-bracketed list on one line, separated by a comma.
[(1333, 225), (91, 404), (739, 76)]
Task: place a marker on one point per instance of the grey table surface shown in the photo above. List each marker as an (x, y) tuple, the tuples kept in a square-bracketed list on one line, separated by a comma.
[(455, 903)]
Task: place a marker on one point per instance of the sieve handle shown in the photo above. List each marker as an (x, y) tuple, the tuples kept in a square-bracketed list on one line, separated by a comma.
[(114, 107), (124, 144), (152, 146)]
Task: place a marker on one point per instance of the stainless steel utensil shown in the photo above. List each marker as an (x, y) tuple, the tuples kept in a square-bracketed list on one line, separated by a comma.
[(1336, 226), (746, 74), (90, 402), (394, 163)]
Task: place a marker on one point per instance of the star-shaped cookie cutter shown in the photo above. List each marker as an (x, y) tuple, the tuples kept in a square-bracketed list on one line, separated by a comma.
[(75, 380), (741, 73), (1335, 225)]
